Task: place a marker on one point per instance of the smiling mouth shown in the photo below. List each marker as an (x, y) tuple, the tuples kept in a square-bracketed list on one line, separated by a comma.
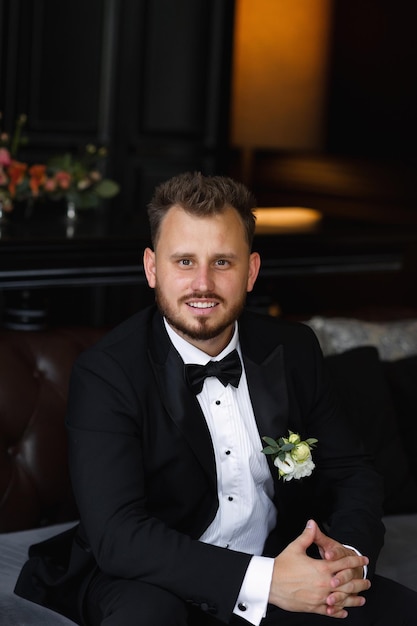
[(202, 305)]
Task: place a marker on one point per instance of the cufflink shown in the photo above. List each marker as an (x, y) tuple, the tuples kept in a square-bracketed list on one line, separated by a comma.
[(242, 606)]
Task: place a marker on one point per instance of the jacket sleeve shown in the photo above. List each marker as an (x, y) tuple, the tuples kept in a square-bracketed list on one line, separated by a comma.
[(106, 455), (349, 490)]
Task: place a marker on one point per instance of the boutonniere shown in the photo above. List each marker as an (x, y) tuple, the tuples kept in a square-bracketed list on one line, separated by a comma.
[(291, 456)]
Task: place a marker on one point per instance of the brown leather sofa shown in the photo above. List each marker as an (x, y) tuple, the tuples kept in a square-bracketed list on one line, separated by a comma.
[(34, 374), (36, 499), (35, 491)]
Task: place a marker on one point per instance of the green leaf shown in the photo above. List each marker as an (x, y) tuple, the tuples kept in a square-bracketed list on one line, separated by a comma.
[(269, 450), (61, 162), (107, 188), (270, 441)]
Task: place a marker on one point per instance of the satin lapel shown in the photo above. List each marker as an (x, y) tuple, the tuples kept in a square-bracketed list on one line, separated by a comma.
[(269, 396), (180, 403)]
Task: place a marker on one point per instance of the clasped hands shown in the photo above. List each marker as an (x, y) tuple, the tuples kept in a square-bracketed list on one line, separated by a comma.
[(325, 586)]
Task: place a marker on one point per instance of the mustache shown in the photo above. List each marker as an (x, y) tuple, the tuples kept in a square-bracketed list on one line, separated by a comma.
[(209, 295)]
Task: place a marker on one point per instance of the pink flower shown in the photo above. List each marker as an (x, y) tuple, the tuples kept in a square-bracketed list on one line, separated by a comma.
[(63, 179), (5, 158), (50, 184)]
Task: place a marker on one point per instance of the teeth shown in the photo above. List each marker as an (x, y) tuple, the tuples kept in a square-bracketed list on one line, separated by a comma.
[(202, 305)]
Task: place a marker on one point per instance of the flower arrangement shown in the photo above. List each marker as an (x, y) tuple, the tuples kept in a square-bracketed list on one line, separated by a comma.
[(291, 456), (15, 176), (78, 181)]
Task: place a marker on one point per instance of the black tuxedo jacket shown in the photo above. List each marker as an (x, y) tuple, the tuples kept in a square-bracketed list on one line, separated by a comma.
[(144, 476)]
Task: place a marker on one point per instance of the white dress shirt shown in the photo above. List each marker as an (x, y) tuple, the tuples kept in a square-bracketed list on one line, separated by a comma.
[(246, 513)]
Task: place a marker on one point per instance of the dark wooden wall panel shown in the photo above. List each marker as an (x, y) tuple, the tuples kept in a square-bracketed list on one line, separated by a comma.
[(174, 90), (66, 66), (173, 86), (148, 78)]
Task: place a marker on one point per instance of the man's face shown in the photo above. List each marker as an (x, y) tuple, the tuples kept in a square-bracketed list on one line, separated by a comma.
[(201, 270)]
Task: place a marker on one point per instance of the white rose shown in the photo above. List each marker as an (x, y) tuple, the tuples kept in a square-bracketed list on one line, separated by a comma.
[(286, 466), (303, 469), (301, 452), (294, 438)]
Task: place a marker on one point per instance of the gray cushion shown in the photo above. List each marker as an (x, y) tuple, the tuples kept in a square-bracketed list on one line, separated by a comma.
[(393, 340), (398, 558), (15, 611)]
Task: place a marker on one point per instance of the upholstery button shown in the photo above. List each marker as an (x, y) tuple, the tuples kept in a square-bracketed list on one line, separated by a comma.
[(242, 606)]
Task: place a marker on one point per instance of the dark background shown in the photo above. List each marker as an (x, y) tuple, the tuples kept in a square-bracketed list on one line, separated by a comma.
[(151, 80)]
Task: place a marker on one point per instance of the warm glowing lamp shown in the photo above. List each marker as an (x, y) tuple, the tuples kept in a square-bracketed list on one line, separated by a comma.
[(276, 219)]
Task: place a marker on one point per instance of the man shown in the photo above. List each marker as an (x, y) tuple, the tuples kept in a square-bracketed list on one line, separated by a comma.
[(183, 519)]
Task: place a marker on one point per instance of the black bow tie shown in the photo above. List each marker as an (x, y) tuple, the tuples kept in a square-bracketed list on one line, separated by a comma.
[(228, 370)]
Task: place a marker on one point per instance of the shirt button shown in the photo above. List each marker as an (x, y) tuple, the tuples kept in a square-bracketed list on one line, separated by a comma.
[(218, 402), (227, 452), (242, 606), (230, 498)]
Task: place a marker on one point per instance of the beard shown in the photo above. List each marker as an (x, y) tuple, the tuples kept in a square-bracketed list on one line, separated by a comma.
[(201, 328)]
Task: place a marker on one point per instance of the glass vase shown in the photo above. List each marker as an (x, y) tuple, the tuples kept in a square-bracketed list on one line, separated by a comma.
[(3, 216), (71, 214), (4, 220)]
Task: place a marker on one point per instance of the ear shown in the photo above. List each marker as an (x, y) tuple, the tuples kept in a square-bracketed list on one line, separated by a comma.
[(149, 266), (254, 266)]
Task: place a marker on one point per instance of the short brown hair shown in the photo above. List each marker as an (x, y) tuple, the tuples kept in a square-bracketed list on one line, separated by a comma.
[(202, 195)]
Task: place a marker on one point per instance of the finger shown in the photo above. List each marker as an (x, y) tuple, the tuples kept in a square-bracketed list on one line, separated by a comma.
[(356, 585), (331, 550), (307, 537), (340, 600), (334, 611), (338, 603), (351, 562), (335, 552), (324, 542), (345, 576)]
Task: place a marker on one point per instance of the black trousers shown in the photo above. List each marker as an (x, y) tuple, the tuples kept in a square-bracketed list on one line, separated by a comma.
[(116, 602)]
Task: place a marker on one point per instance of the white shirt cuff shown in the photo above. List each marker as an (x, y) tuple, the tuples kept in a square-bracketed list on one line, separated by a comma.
[(254, 593), (365, 567)]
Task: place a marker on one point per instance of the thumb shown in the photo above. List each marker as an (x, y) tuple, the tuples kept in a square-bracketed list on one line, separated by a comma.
[(308, 536)]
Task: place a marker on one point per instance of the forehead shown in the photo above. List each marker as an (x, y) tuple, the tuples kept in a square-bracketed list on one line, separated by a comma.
[(183, 226)]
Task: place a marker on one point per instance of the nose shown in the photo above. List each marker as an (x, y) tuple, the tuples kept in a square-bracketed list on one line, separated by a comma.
[(203, 279)]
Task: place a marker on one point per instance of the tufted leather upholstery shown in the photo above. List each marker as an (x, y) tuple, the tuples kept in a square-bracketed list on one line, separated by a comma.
[(34, 374)]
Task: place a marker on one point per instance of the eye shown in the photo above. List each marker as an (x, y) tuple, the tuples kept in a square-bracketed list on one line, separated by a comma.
[(184, 262), (222, 262)]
